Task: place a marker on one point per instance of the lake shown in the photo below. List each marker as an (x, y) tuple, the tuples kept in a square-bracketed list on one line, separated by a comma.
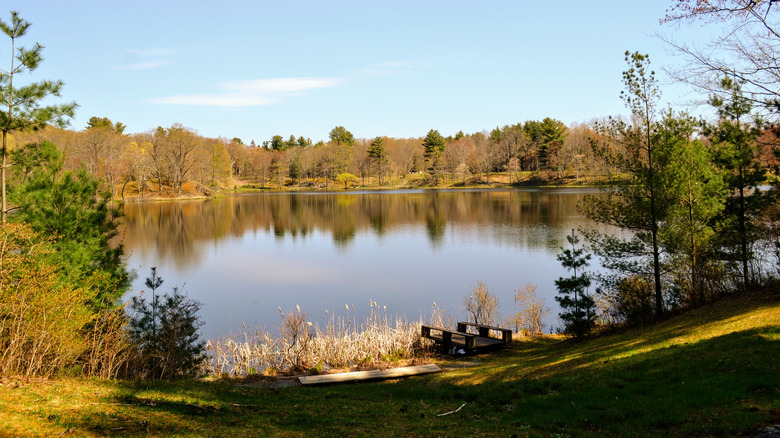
[(246, 255)]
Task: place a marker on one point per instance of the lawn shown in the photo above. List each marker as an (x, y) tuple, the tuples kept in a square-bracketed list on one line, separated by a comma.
[(711, 372)]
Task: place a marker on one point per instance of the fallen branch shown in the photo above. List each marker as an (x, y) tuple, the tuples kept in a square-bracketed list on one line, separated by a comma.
[(451, 412)]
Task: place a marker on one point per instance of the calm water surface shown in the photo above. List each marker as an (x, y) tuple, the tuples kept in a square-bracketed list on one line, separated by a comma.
[(244, 256)]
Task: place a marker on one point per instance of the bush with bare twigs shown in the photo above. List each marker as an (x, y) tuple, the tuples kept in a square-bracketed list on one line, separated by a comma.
[(530, 311), (481, 305)]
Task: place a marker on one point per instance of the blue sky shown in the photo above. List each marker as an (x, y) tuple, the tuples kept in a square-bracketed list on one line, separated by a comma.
[(253, 69)]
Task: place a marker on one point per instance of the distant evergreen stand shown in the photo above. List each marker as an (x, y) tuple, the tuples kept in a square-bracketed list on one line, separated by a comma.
[(578, 308)]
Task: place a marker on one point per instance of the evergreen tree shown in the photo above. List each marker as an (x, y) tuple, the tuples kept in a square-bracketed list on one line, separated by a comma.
[(639, 205), (699, 194), (734, 139), (378, 152), (105, 122), (153, 282), (166, 333), (70, 209), (434, 148), (22, 109), (578, 308), (339, 135), (278, 143)]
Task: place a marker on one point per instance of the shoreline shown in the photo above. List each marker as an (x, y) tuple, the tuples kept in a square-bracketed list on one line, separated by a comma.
[(240, 189)]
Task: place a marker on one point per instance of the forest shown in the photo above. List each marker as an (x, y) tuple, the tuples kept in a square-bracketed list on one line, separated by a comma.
[(162, 160)]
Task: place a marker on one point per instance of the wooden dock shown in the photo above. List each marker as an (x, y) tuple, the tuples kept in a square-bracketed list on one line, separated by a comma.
[(451, 341), (357, 376)]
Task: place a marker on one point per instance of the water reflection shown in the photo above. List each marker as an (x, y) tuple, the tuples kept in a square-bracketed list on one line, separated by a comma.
[(245, 255), (172, 230)]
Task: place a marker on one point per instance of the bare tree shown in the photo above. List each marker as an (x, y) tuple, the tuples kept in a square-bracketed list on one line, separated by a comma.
[(575, 148), (481, 305), (404, 153), (746, 50), (181, 144), (457, 155), (530, 311)]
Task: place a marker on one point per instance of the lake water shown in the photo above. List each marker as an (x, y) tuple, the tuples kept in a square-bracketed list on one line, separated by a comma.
[(244, 256)]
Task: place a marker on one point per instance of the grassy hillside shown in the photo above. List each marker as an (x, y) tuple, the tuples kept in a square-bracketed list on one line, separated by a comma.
[(712, 372)]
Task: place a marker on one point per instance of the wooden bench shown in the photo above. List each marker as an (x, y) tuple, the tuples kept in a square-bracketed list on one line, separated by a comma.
[(484, 330), (448, 337)]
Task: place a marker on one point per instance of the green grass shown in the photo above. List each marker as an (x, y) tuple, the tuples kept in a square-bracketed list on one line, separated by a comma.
[(712, 372)]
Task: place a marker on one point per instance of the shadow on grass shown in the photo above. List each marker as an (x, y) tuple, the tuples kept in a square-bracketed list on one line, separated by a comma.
[(546, 356), (700, 375)]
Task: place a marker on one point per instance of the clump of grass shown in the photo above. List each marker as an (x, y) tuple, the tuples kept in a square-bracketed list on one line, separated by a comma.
[(300, 346)]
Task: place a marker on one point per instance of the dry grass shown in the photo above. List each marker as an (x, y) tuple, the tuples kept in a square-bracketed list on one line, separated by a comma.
[(302, 346)]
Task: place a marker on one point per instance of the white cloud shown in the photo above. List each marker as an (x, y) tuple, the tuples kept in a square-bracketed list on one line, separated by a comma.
[(146, 65), (259, 92)]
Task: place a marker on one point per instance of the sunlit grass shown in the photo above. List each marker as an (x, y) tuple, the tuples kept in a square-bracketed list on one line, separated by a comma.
[(712, 372)]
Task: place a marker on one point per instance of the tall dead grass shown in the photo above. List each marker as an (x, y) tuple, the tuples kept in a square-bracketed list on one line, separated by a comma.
[(301, 346)]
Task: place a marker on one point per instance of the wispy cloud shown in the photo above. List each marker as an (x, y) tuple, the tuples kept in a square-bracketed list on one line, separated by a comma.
[(146, 65), (161, 57), (259, 92), (388, 68), (156, 51)]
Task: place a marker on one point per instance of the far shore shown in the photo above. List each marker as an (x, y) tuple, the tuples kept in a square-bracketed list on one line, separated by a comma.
[(190, 190)]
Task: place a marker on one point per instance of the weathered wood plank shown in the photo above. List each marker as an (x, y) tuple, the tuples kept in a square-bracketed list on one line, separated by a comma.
[(357, 376), (484, 330)]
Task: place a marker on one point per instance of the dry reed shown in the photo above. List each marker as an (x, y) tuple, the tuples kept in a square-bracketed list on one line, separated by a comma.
[(303, 346)]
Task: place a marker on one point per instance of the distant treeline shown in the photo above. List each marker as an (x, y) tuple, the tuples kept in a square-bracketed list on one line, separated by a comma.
[(160, 161)]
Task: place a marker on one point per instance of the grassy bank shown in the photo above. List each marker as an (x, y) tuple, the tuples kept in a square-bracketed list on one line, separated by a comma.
[(711, 372)]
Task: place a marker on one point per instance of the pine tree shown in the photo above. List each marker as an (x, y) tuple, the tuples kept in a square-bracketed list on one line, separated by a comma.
[(735, 141), (578, 308), (21, 106), (378, 152), (434, 148), (166, 333), (70, 208), (641, 204)]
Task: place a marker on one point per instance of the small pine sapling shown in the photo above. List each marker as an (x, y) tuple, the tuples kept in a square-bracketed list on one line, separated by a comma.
[(578, 308), (166, 333)]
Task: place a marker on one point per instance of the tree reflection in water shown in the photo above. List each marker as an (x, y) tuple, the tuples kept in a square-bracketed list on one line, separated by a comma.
[(244, 254)]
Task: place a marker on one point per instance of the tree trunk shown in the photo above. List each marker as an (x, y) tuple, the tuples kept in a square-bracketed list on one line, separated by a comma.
[(2, 177)]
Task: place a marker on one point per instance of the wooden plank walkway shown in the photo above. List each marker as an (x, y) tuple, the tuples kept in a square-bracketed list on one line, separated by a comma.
[(357, 376)]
